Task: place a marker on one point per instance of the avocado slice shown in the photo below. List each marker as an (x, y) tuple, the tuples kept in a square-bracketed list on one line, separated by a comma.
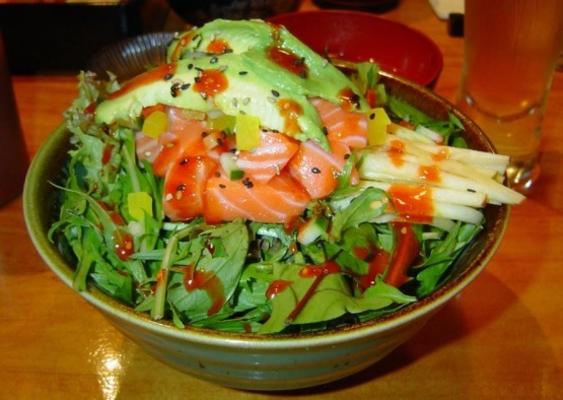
[(258, 37), (245, 92), (266, 72)]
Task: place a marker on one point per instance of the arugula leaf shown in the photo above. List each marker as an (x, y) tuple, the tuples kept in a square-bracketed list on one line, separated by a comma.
[(443, 256), (227, 269), (370, 204)]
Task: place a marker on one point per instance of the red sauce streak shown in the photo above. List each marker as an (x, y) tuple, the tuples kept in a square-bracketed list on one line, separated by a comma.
[(290, 111), (106, 155), (183, 42), (211, 82), (407, 124), (406, 251), (312, 271), (150, 109), (218, 46), (289, 61), (413, 203), (123, 244), (207, 281), (441, 155), (90, 109), (145, 78), (276, 287), (395, 152), (348, 99), (377, 266), (430, 173)]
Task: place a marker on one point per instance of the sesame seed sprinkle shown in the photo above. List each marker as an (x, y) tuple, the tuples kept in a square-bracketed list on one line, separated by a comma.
[(315, 170)]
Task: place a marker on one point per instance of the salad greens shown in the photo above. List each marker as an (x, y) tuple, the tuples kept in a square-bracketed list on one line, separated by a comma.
[(240, 276)]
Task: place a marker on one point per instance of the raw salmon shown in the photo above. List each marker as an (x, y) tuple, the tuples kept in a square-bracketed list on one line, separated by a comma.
[(315, 169), (350, 128), (184, 186), (277, 201), (267, 160)]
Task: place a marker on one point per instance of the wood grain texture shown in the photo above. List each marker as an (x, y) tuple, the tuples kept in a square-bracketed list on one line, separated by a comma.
[(503, 338)]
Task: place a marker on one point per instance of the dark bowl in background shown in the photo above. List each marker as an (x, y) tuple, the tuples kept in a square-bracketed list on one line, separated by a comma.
[(198, 12)]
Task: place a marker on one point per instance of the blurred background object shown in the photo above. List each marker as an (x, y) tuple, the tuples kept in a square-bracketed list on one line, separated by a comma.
[(366, 5), (13, 157), (198, 12)]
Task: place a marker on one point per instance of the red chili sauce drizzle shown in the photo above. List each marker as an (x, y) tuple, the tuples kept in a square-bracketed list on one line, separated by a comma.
[(430, 173), (348, 99), (441, 155), (106, 154), (318, 272), (406, 251), (123, 244), (218, 46), (183, 42), (290, 111), (208, 282), (156, 74), (288, 60), (395, 152), (276, 287), (378, 261), (413, 203), (211, 82)]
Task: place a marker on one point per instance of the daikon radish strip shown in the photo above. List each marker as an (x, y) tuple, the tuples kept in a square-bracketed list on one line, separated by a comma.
[(468, 155), (378, 166), (409, 134), (430, 134), (452, 166), (439, 194), (457, 212)]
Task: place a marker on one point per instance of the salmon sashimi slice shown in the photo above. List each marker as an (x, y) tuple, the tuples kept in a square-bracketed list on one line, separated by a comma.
[(278, 201), (147, 148), (184, 136), (267, 160), (315, 169), (184, 187), (341, 153), (348, 127)]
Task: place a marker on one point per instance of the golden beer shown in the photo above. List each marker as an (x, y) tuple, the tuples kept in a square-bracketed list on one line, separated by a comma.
[(511, 48)]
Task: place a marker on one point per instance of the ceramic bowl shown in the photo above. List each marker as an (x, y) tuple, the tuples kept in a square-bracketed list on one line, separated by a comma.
[(360, 36), (250, 361)]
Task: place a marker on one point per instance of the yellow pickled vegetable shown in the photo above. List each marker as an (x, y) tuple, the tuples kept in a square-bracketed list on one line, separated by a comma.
[(155, 124), (223, 123), (377, 126), (139, 204), (247, 131)]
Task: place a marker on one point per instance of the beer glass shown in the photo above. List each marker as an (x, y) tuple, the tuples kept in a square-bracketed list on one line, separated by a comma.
[(511, 50)]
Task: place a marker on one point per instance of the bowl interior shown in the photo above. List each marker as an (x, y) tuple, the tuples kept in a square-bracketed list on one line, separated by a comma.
[(39, 210), (358, 36)]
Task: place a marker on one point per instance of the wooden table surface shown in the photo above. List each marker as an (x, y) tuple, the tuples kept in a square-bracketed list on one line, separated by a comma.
[(503, 338)]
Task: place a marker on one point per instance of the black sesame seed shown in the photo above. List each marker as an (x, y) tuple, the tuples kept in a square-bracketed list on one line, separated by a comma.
[(190, 66), (181, 187), (248, 183), (325, 130), (175, 90), (184, 161), (204, 134), (167, 77), (346, 156), (213, 60), (197, 79), (275, 93), (372, 116), (217, 174), (471, 190), (222, 186), (198, 69), (185, 86), (243, 72), (315, 170)]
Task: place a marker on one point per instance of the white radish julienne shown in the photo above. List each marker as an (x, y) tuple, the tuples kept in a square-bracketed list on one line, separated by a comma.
[(466, 179)]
